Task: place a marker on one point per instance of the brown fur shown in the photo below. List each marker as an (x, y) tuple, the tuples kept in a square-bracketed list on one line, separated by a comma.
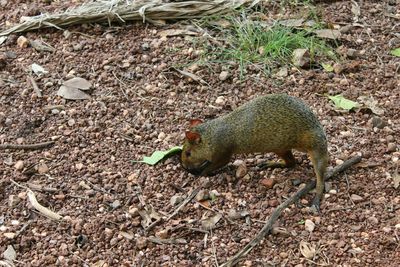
[(273, 123)]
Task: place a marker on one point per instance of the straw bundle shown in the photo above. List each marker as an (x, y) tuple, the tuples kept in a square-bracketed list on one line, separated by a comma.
[(125, 10)]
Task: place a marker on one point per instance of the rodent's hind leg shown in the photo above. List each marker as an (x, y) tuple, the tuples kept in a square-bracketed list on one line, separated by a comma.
[(319, 160), (288, 161)]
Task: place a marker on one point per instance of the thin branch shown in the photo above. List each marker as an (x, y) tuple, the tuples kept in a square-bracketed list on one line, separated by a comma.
[(186, 201), (275, 215), (35, 86), (27, 146)]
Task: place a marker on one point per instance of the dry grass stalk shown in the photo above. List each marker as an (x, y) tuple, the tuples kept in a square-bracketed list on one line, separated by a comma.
[(125, 10)]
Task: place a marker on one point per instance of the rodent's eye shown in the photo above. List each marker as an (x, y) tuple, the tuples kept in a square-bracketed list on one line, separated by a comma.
[(187, 153)]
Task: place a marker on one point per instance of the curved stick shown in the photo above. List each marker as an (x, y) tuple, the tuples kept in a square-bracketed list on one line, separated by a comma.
[(277, 212)]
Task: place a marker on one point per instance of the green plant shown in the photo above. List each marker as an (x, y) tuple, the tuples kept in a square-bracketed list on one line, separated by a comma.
[(252, 42)]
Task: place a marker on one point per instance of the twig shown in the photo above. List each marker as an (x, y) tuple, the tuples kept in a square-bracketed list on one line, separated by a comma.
[(27, 146), (214, 251), (275, 215), (43, 210), (154, 224), (35, 86), (40, 188), (178, 241), (186, 201), (32, 199), (197, 230), (120, 86), (50, 107), (23, 228)]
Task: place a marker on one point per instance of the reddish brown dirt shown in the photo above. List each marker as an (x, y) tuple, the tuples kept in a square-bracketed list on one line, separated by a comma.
[(139, 104)]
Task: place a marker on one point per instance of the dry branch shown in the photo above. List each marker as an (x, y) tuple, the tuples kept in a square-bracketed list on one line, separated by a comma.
[(186, 201), (275, 215), (43, 210), (107, 11), (27, 146)]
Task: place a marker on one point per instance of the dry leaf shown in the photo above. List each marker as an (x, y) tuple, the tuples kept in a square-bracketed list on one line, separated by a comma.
[(72, 93), (192, 76), (355, 9), (100, 263), (372, 104), (41, 47), (309, 225), (280, 231), (328, 34), (127, 235), (45, 211), (367, 164), (176, 32), (148, 217), (301, 57), (37, 69), (223, 23), (210, 223), (292, 22), (396, 179), (78, 83), (3, 39), (6, 263), (307, 250), (9, 253), (235, 215)]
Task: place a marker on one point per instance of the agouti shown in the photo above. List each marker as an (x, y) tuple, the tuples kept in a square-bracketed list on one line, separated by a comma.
[(273, 123)]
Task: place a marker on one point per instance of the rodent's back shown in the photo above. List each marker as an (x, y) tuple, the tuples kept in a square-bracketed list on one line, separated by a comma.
[(270, 123)]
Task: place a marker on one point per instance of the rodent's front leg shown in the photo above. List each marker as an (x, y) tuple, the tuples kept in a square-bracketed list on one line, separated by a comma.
[(288, 161)]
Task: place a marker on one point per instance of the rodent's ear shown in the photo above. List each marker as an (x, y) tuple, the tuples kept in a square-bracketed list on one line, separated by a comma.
[(195, 122), (193, 137)]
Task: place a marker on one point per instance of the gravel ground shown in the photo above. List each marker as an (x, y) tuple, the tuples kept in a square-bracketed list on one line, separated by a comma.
[(140, 104)]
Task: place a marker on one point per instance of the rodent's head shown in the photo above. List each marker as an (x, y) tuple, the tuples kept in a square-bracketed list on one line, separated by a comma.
[(196, 155)]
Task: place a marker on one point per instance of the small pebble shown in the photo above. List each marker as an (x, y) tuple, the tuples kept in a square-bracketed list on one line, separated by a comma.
[(241, 171), (42, 168), (391, 147), (273, 202), (22, 42), (344, 82), (163, 234), (356, 198), (309, 225), (373, 220), (71, 122), (390, 138), (133, 211), (202, 195), (176, 200), (224, 75), (220, 101), (9, 235), (238, 162), (268, 183), (19, 165), (161, 136), (141, 243)]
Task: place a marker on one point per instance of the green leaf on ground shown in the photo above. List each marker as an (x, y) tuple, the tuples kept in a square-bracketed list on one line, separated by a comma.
[(327, 67), (343, 103), (157, 156), (395, 52)]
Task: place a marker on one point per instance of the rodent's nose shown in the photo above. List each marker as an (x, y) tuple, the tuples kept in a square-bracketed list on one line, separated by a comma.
[(196, 172)]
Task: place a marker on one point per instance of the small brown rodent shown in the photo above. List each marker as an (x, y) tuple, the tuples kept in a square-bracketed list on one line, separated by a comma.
[(273, 123)]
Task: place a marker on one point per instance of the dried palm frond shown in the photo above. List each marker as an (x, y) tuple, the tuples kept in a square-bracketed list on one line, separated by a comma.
[(125, 10)]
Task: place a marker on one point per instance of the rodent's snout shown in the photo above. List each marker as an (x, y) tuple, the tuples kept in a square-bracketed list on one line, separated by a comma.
[(197, 170)]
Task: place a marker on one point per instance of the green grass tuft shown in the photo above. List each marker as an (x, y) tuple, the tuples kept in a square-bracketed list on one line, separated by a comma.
[(250, 42)]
